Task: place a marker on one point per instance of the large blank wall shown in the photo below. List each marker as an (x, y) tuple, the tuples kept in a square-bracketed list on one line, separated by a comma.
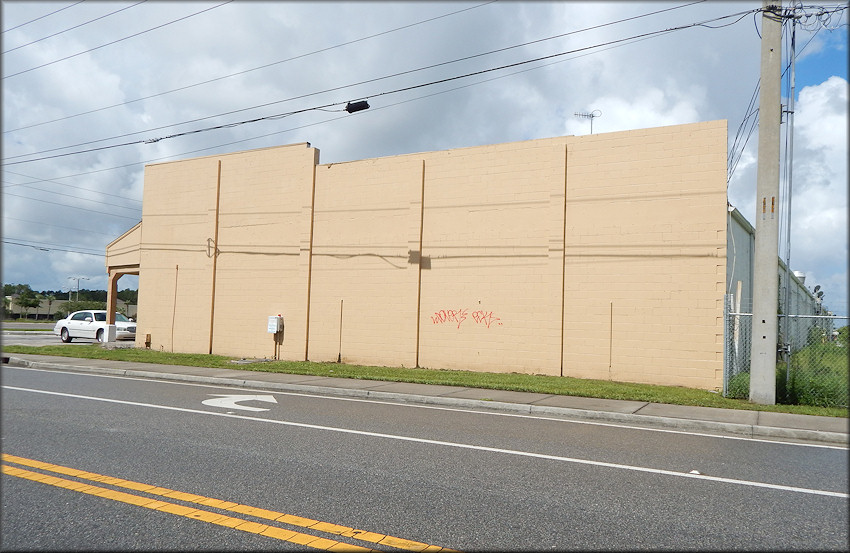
[(601, 256)]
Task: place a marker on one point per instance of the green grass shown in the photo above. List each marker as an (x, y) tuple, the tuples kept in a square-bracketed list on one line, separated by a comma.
[(496, 381), (817, 376)]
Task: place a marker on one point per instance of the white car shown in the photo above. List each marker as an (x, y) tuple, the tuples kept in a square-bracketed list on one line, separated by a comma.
[(92, 324)]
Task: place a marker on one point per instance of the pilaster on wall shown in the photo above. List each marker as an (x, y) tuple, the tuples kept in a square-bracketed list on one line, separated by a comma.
[(417, 256), (305, 251), (557, 247)]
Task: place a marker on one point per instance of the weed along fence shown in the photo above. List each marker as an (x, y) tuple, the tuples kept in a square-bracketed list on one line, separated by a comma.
[(812, 361)]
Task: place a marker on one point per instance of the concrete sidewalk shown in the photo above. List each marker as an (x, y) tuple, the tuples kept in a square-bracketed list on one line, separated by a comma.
[(762, 424)]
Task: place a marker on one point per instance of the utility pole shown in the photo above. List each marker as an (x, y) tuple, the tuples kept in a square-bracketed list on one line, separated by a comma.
[(765, 264)]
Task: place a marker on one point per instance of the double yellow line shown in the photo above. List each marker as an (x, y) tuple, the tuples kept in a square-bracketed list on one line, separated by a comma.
[(212, 517)]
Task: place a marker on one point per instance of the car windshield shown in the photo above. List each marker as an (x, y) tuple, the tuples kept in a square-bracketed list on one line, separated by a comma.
[(122, 318), (100, 316)]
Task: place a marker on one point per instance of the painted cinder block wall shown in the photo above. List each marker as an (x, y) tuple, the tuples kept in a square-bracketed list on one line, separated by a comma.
[(600, 256), (363, 289), (225, 244), (646, 255)]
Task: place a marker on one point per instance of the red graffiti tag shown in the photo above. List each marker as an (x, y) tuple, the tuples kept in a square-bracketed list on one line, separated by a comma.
[(449, 315), (485, 317)]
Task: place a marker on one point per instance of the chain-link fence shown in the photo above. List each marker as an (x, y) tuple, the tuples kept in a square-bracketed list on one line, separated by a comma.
[(812, 361)]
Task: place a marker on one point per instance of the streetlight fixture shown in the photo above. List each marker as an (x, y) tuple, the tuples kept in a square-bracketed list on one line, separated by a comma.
[(352, 107), (78, 279)]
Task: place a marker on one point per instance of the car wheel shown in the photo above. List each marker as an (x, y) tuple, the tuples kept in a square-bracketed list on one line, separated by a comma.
[(100, 335), (65, 336)]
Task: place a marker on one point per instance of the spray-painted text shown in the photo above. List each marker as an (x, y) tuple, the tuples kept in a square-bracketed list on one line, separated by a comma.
[(458, 316)]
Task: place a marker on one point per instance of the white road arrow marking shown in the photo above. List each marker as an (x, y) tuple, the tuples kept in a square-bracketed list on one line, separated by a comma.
[(230, 401)]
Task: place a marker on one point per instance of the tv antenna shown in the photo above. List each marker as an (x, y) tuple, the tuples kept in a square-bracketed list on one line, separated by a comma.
[(591, 116)]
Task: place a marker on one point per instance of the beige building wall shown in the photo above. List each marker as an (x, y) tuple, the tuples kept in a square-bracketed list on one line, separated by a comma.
[(125, 251), (646, 255), (258, 206), (363, 291), (600, 256), (175, 276), (491, 292), (263, 250)]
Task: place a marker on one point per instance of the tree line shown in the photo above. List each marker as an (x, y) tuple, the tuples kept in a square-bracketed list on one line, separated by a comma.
[(27, 299)]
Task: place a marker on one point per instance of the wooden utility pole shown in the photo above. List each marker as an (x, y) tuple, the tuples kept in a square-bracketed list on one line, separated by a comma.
[(765, 264)]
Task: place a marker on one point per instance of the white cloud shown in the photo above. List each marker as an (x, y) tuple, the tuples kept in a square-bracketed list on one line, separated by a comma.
[(819, 203), (820, 114), (651, 107)]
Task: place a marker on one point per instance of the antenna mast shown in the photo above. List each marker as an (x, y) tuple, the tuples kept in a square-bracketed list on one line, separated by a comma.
[(591, 115)]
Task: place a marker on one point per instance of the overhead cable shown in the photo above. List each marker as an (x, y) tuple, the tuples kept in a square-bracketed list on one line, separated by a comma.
[(220, 145), (354, 84), (37, 180), (43, 224), (116, 41), (750, 122), (740, 16), (252, 69), (77, 197), (42, 17), (71, 206), (75, 27), (51, 248)]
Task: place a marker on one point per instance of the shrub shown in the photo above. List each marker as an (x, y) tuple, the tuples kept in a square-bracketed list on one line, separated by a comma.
[(739, 386), (818, 388)]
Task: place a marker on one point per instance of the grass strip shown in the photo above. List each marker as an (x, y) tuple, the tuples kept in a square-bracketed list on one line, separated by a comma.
[(556, 385)]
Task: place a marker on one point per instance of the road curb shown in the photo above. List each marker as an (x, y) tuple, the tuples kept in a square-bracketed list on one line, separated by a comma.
[(650, 421)]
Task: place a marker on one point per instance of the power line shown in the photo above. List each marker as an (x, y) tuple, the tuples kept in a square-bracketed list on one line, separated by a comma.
[(737, 149), (334, 89), (116, 41), (332, 119), (254, 68), (740, 16), (153, 160), (50, 244), (42, 17), (52, 248), (74, 27), (43, 224), (99, 202), (343, 117), (71, 206), (28, 185), (751, 118)]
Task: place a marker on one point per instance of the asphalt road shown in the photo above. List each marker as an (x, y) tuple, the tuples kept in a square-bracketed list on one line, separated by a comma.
[(459, 479)]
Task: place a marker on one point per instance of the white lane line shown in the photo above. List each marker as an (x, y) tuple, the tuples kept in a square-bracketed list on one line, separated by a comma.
[(775, 441), (453, 444)]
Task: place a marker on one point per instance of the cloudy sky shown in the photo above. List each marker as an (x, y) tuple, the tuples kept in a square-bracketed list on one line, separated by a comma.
[(92, 91)]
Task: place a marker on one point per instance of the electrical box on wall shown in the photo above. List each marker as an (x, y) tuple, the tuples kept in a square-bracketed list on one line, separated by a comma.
[(275, 324)]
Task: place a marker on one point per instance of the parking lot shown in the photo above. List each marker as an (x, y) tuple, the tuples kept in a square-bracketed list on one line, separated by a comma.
[(41, 334)]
